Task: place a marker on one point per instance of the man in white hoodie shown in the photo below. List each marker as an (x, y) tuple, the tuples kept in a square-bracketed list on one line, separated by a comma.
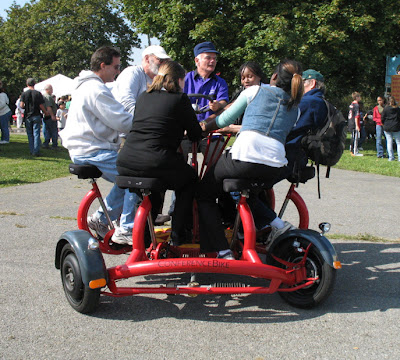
[(91, 135)]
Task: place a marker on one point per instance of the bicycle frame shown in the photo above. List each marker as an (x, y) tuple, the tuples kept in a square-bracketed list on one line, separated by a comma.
[(138, 264)]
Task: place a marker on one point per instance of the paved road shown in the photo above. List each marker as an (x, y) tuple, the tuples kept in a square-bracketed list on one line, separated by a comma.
[(359, 321)]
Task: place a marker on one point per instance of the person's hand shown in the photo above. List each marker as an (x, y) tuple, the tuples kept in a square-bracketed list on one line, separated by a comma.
[(203, 125), (231, 129), (214, 105)]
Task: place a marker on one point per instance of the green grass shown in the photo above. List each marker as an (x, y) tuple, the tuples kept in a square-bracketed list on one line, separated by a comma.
[(369, 163), (18, 167)]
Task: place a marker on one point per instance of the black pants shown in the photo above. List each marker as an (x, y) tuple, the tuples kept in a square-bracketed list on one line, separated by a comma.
[(180, 177), (212, 236)]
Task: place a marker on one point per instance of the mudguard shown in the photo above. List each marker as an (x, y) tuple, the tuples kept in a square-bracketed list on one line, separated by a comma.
[(325, 247), (91, 262)]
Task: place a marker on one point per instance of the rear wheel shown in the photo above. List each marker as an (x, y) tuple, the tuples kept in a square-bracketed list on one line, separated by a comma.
[(80, 297), (316, 267)]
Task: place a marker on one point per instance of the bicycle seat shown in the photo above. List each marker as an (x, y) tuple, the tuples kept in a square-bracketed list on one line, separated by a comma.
[(85, 171), (245, 184), (132, 182)]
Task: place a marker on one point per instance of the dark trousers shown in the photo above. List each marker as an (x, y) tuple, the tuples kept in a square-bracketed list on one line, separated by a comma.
[(180, 177), (50, 132), (212, 236)]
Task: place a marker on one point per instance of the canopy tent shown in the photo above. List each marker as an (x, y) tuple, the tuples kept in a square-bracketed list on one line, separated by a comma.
[(62, 85)]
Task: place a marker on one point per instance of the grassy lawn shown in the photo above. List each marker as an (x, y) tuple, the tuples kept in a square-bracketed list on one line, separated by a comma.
[(369, 163), (18, 167)]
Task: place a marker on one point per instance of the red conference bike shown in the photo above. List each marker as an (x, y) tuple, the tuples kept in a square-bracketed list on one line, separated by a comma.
[(300, 264)]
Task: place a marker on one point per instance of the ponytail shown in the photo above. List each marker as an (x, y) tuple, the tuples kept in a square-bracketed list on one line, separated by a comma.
[(297, 89), (290, 80)]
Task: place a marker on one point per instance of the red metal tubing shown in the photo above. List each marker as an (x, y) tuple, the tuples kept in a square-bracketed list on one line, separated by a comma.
[(301, 207)]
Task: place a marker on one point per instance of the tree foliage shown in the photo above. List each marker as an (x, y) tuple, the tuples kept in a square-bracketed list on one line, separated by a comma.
[(47, 37), (345, 40)]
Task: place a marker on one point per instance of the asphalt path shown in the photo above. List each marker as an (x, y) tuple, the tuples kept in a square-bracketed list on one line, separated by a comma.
[(358, 321)]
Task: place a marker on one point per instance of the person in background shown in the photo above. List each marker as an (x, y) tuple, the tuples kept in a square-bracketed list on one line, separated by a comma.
[(61, 115), (50, 131), (91, 135), (391, 125), (19, 112), (376, 116), (354, 123), (33, 102), (5, 116)]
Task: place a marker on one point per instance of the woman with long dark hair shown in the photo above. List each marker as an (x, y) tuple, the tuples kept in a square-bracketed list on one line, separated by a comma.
[(259, 151)]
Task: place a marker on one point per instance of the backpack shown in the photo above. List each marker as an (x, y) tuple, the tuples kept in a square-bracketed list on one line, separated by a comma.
[(325, 146)]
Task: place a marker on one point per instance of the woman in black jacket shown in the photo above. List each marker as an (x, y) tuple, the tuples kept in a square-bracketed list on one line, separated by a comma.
[(391, 126), (162, 115)]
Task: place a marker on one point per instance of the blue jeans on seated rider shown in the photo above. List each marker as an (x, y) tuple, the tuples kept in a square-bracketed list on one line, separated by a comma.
[(32, 125), (390, 135), (118, 201)]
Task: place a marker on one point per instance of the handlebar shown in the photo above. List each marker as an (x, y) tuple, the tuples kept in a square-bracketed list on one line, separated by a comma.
[(196, 107)]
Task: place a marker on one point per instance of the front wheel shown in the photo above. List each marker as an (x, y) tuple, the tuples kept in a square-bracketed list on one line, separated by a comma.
[(80, 297), (316, 267)]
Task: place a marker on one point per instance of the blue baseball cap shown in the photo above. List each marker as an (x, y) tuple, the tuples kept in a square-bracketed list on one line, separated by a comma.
[(204, 47)]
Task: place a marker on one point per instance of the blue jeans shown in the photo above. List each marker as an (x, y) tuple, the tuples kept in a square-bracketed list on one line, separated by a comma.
[(118, 201), (50, 131), (4, 124), (390, 135), (379, 146), (33, 131)]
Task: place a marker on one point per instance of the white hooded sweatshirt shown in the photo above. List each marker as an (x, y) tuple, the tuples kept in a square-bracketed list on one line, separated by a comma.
[(95, 118)]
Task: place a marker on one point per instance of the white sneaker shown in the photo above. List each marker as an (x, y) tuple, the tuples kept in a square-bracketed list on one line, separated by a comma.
[(122, 237), (97, 226), (275, 232), (4, 142)]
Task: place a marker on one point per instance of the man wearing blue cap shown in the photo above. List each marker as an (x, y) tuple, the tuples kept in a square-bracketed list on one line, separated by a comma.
[(204, 81)]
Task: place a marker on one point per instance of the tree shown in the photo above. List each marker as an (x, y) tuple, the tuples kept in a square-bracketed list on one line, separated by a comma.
[(345, 40), (46, 37)]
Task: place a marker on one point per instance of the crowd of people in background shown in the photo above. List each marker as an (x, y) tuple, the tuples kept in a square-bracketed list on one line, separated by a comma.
[(382, 120)]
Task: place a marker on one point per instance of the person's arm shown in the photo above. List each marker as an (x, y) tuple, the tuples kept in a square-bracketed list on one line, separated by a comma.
[(229, 116), (128, 87)]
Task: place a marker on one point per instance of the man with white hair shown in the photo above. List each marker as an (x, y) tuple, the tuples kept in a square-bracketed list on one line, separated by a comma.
[(134, 79), (50, 131)]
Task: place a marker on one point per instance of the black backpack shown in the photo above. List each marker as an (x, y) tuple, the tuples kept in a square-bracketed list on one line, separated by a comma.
[(325, 146)]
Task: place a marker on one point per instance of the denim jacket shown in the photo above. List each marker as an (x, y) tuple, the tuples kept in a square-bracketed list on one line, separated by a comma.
[(268, 114)]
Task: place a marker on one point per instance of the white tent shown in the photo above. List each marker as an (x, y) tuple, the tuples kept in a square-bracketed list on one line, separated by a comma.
[(62, 85)]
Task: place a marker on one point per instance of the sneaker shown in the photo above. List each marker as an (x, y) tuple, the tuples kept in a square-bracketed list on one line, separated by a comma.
[(97, 226), (356, 154), (275, 232), (225, 254), (122, 237), (4, 142)]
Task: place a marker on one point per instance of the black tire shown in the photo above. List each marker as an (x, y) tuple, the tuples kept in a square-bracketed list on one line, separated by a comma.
[(312, 295), (80, 297)]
